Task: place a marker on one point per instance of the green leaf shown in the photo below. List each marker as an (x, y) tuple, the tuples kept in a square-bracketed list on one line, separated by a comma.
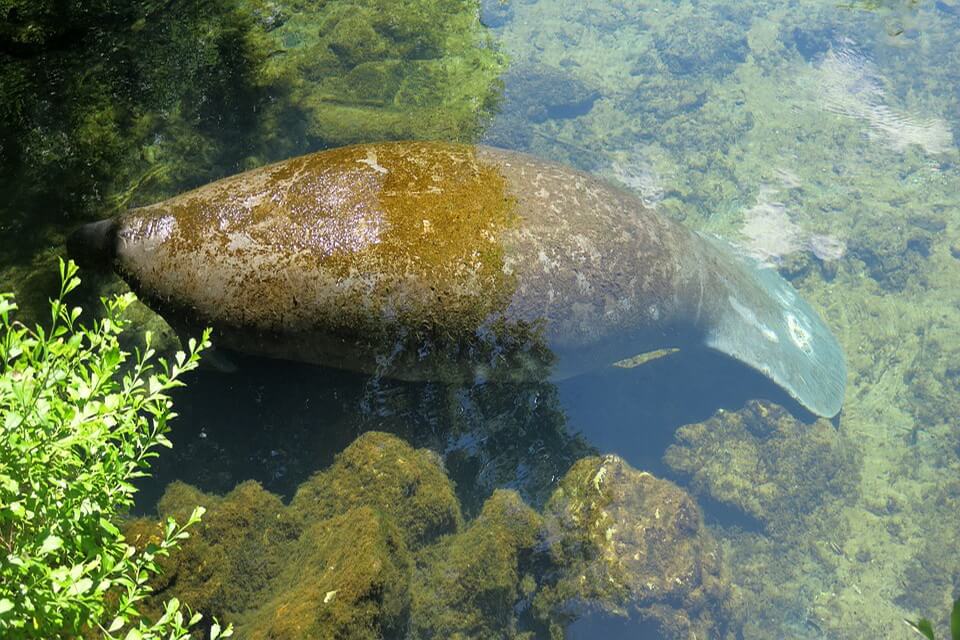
[(923, 627), (955, 620), (109, 527), (133, 634), (9, 484), (50, 544), (5, 605), (214, 631), (116, 624), (80, 587)]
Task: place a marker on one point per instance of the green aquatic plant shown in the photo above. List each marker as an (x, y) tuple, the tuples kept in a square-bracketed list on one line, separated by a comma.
[(107, 102), (352, 71), (925, 628), (79, 422)]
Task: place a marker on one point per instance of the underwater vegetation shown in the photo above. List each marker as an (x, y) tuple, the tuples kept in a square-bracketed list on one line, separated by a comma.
[(933, 573), (769, 466), (364, 70), (627, 544), (113, 104), (375, 546), (925, 627), (106, 100)]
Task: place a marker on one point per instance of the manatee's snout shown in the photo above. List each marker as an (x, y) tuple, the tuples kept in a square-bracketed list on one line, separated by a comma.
[(93, 246)]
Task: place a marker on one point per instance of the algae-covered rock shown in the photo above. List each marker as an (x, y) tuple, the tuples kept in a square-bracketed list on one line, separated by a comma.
[(232, 554), (347, 577), (894, 252), (383, 472), (469, 584), (629, 544), (767, 464), (337, 562), (703, 45), (532, 94), (361, 70)]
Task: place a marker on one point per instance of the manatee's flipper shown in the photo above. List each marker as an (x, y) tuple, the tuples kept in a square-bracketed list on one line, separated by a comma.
[(765, 324)]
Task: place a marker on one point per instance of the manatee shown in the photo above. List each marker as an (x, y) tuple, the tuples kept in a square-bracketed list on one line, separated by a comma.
[(442, 261)]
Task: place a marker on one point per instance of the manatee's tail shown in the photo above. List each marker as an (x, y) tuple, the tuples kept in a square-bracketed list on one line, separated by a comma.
[(94, 245), (765, 324)]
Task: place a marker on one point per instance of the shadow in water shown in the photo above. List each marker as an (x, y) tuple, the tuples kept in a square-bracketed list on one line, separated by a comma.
[(635, 412), (597, 625), (278, 422)]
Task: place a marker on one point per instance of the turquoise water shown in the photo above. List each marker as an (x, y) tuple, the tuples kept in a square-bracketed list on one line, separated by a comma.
[(819, 136)]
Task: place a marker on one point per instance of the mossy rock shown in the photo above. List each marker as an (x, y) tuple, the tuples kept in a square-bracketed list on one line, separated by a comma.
[(631, 545), (703, 45), (232, 555), (371, 69), (347, 577), (768, 465), (385, 473), (468, 585)]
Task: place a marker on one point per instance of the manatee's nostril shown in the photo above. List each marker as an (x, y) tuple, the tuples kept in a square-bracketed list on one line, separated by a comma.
[(92, 246)]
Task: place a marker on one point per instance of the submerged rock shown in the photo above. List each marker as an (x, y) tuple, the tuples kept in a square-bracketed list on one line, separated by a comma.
[(703, 45), (495, 13), (338, 562), (375, 547), (468, 585), (370, 69), (628, 544), (347, 577), (385, 473), (532, 94), (231, 556), (767, 464)]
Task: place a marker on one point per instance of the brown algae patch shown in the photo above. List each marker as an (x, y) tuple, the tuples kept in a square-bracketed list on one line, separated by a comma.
[(407, 232)]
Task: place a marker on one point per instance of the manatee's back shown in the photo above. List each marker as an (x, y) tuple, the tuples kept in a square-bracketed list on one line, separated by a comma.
[(426, 236), (345, 241)]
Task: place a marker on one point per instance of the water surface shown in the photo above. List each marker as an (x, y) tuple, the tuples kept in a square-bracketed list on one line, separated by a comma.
[(820, 136)]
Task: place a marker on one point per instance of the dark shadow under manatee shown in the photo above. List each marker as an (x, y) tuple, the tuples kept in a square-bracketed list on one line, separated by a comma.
[(278, 422)]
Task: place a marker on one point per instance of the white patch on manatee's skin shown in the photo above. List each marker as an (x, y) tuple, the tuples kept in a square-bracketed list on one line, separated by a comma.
[(751, 318), (797, 326), (147, 234), (371, 161)]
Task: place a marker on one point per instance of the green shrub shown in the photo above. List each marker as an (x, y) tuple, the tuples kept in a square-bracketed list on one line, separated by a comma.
[(79, 421), (925, 628)]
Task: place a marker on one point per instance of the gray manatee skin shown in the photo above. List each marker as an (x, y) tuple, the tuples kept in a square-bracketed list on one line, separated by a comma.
[(428, 260)]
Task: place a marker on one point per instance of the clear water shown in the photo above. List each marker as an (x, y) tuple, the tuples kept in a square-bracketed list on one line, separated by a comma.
[(820, 136)]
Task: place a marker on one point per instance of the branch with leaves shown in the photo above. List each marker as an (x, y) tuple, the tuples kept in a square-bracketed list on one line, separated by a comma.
[(79, 421)]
